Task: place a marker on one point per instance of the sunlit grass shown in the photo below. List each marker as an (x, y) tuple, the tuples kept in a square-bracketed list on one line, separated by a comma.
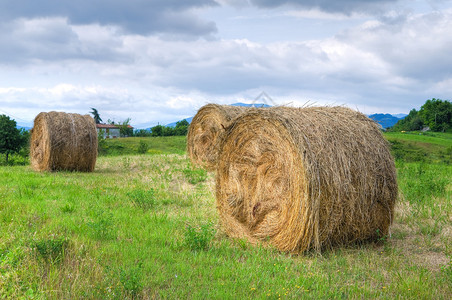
[(145, 226)]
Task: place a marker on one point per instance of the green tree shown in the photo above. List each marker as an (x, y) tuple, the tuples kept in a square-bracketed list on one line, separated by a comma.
[(96, 115), (157, 130), (11, 139), (168, 131), (142, 147), (181, 127), (410, 123), (124, 128), (142, 133), (436, 114)]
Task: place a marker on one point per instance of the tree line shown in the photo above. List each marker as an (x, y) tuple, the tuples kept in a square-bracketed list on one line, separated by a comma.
[(436, 114), (181, 128)]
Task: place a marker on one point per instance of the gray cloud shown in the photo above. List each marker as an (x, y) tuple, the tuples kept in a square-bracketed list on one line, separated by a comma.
[(414, 47), (338, 6), (52, 39), (134, 16)]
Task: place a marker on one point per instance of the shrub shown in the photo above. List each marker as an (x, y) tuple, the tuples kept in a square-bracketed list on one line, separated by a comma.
[(143, 147), (199, 237), (142, 199), (51, 249), (195, 176)]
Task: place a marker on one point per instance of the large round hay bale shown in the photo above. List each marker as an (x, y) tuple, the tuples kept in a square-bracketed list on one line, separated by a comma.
[(206, 132), (305, 178), (63, 141)]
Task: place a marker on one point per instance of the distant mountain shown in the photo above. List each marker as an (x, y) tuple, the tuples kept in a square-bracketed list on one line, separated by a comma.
[(24, 125), (400, 116), (386, 120), (174, 123)]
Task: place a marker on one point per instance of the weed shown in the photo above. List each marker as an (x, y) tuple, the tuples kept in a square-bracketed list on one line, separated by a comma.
[(143, 147), (101, 225), (199, 237), (68, 208), (143, 199), (11, 257), (447, 270), (428, 229), (195, 176), (52, 249), (420, 183), (126, 162), (130, 279)]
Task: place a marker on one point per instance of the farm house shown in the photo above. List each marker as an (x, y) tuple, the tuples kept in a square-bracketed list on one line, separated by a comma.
[(109, 131)]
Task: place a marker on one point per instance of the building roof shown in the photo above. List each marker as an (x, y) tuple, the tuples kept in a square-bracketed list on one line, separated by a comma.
[(110, 126)]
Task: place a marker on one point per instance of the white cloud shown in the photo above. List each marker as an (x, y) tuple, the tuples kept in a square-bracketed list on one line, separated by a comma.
[(387, 65)]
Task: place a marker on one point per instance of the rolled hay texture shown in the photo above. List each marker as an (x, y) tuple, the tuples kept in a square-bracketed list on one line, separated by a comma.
[(63, 141), (305, 178), (206, 132)]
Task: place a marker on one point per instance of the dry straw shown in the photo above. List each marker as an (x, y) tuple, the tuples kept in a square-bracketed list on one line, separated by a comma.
[(62, 141), (305, 178), (206, 132)]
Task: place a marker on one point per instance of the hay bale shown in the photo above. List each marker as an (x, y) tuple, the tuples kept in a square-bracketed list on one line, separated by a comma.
[(62, 141), (206, 132), (305, 178)]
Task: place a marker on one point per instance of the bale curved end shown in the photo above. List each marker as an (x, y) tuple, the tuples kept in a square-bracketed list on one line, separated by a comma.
[(62, 141), (206, 132), (305, 178)]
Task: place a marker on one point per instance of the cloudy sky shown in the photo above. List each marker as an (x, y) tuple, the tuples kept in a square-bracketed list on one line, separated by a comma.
[(158, 61)]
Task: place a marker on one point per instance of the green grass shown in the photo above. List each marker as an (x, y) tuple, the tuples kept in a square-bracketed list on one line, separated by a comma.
[(143, 145), (432, 147), (145, 226)]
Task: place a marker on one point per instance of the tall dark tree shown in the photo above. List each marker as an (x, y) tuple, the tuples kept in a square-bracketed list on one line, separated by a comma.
[(11, 139), (96, 115)]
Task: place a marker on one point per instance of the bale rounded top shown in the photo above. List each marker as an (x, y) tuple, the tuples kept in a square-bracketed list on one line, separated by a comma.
[(305, 178), (63, 141), (206, 132)]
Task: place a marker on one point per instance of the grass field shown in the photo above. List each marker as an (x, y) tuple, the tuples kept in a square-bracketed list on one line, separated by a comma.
[(421, 146), (146, 226)]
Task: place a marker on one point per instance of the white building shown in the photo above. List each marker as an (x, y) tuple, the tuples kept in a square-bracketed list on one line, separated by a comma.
[(109, 131)]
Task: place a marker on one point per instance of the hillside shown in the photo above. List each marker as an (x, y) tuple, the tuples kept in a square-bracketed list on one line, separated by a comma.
[(385, 120)]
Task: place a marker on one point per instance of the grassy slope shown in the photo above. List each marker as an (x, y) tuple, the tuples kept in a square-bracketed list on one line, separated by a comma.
[(417, 146), (132, 229)]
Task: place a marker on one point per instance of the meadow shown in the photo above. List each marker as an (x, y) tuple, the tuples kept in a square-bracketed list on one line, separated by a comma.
[(145, 226)]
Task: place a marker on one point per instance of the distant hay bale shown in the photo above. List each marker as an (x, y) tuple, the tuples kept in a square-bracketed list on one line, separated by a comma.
[(206, 132), (63, 141), (305, 178)]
